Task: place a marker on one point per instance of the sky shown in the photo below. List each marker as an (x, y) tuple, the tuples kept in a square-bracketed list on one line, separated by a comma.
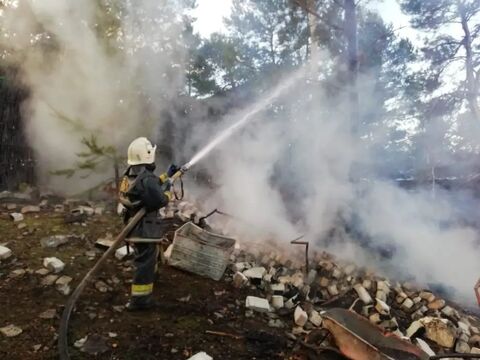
[(210, 14)]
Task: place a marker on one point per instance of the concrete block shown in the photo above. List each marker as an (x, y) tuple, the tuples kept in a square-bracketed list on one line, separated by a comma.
[(16, 217), (121, 252), (54, 264), (30, 209), (381, 295), (239, 280), (5, 252), (363, 294), (49, 280), (367, 284), (277, 289), (240, 266), (255, 273), (257, 304), (424, 346), (300, 316), (407, 304), (200, 356), (382, 307), (332, 290), (277, 301), (315, 318)]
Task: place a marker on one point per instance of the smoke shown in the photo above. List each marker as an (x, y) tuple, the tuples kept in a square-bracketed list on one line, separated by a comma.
[(299, 169), (103, 69)]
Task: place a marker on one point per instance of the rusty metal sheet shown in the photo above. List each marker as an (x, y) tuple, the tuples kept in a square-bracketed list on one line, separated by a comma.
[(358, 339)]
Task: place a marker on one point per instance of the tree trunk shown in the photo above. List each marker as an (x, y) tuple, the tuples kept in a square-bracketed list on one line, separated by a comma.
[(272, 47), (471, 83), (352, 59), (312, 27)]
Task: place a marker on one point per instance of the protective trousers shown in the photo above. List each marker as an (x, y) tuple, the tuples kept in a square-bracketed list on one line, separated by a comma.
[(145, 262)]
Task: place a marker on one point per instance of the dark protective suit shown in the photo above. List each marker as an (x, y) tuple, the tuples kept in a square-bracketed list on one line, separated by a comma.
[(140, 187)]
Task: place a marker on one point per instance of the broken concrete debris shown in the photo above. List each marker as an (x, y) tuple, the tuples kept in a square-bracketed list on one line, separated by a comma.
[(200, 356), (300, 316), (49, 280), (30, 209), (5, 252), (53, 264), (121, 252), (54, 241), (239, 280), (62, 284), (48, 314), (286, 297), (11, 330), (363, 294), (16, 217), (257, 304), (277, 301), (434, 324)]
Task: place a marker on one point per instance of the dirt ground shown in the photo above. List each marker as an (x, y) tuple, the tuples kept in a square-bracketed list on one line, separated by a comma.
[(175, 330)]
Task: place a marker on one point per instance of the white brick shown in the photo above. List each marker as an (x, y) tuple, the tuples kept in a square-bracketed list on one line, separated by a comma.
[(277, 288), (200, 356), (315, 318), (382, 307), (257, 304), (16, 217), (30, 209), (277, 301), (240, 266), (332, 290), (255, 273), (5, 252), (121, 252), (300, 316), (407, 304), (239, 279), (363, 294), (424, 346), (53, 264)]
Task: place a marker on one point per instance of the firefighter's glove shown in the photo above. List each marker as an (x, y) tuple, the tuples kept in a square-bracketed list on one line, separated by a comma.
[(172, 169)]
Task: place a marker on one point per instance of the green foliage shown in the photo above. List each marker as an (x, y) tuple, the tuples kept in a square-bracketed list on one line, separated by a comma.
[(95, 158)]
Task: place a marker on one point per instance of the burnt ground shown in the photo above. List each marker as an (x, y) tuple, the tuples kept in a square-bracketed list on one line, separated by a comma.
[(176, 330)]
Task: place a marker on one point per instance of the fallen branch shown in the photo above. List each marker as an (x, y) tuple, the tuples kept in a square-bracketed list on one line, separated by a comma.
[(224, 334)]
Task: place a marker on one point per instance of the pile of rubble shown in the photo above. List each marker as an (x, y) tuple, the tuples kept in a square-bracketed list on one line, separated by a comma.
[(289, 296)]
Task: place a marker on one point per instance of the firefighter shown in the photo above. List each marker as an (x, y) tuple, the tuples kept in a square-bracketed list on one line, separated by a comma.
[(140, 187)]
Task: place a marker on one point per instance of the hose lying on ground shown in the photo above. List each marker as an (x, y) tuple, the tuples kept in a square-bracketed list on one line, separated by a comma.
[(63, 331)]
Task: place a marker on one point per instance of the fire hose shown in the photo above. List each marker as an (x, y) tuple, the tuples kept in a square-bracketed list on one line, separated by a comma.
[(67, 312)]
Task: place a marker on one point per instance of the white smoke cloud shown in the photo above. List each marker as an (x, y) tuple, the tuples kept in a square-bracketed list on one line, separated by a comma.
[(92, 72), (297, 168)]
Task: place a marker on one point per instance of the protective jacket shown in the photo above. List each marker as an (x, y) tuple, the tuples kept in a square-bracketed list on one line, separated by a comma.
[(140, 187)]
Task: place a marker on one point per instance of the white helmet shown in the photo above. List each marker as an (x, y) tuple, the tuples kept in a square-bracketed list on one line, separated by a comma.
[(141, 151)]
